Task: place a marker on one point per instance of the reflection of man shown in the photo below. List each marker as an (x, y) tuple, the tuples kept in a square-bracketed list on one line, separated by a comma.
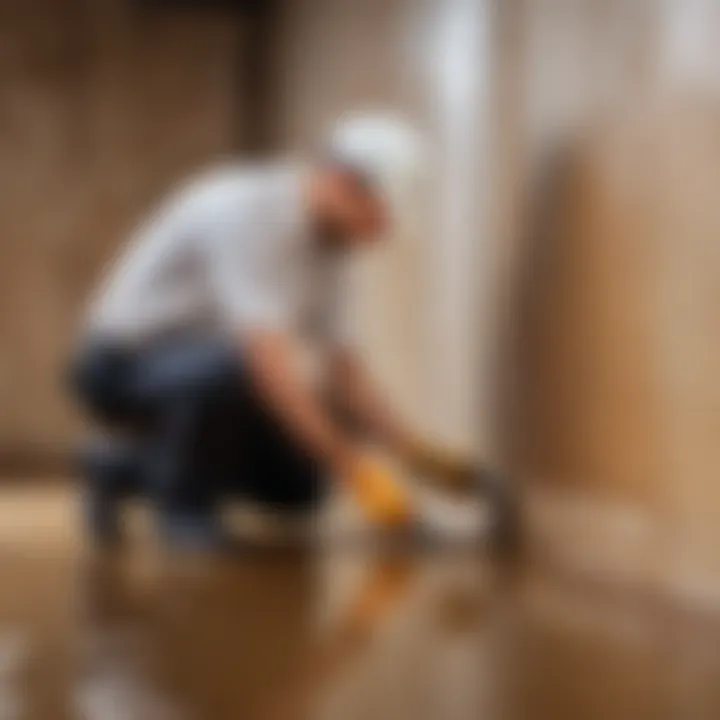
[(193, 344)]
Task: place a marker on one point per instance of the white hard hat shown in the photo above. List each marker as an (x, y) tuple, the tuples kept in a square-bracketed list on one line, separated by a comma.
[(387, 150)]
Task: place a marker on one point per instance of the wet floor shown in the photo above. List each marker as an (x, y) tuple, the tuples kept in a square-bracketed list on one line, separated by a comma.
[(342, 634)]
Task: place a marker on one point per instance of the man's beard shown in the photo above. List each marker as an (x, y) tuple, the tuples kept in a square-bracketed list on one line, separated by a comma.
[(329, 234)]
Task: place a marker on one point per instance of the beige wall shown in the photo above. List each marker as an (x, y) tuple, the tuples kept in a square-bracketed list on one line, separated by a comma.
[(616, 424), (100, 109)]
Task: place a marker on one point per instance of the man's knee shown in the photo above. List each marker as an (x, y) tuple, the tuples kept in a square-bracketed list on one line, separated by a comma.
[(99, 379)]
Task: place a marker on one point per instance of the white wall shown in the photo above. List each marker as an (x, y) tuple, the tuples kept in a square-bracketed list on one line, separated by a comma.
[(419, 296)]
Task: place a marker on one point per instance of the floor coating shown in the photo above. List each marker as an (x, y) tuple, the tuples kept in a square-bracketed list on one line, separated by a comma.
[(336, 634)]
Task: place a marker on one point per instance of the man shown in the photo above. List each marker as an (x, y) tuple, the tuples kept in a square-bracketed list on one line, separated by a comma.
[(194, 344)]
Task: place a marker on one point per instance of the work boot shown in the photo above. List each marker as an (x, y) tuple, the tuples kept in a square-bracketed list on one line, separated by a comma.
[(111, 471)]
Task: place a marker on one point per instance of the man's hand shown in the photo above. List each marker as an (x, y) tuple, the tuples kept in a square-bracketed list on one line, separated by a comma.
[(353, 385), (450, 469)]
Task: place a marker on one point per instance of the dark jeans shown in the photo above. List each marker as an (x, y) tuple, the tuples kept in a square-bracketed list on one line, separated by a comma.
[(197, 424)]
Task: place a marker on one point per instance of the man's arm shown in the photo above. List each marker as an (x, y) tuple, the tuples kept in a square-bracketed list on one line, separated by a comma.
[(253, 292), (272, 360), (273, 366), (353, 387)]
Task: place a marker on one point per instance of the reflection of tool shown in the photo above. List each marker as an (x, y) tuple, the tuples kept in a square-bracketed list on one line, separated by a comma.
[(384, 586)]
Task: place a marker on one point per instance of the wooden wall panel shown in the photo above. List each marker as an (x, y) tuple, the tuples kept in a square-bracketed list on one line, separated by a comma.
[(101, 108), (614, 404), (620, 396)]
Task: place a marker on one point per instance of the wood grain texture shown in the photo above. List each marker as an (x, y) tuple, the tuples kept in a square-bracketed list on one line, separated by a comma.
[(102, 108)]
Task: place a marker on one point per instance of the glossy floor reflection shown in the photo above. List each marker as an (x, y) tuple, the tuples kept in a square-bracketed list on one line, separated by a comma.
[(337, 635)]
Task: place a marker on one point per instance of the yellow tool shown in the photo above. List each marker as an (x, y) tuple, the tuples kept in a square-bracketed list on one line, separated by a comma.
[(380, 494)]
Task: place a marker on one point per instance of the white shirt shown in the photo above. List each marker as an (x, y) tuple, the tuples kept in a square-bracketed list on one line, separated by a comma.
[(229, 251)]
